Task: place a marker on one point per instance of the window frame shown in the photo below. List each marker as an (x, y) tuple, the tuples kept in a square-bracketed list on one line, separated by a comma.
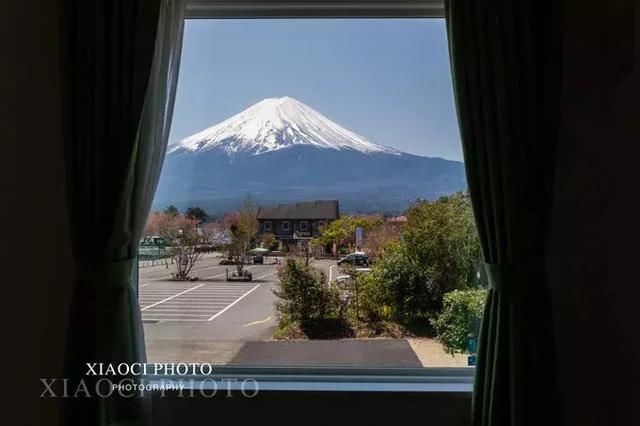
[(264, 226), (306, 226), (301, 9), (429, 380), (288, 227), (442, 380)]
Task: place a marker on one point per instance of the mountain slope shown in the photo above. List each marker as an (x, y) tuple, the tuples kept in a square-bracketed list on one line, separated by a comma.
[(280, 150), (277, 123)]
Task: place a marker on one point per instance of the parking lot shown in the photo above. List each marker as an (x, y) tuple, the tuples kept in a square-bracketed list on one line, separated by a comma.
[(164, 300), (209, 297), (215, 321), (209, 319)]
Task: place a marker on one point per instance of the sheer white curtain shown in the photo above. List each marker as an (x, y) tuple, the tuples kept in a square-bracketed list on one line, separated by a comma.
[(155, 123), (122, 59)]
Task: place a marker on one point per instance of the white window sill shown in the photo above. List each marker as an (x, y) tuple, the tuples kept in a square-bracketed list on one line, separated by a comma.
[(314, 379)]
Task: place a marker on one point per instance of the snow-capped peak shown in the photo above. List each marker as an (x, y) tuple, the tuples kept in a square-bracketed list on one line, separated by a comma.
[(278, 123)]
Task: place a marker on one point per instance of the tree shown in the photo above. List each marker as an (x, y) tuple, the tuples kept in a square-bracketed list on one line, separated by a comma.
[(305, 299), (160, 224), (196, 213), (460, 318), (437, 252), (269, 241), (342, 230), (243, 227), (183, 239), (376, 239), (219, 233), (171, 210)]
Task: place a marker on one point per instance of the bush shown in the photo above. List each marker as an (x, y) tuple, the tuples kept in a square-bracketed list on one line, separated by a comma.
[(376, 300), (438, 252), (460, 318), (270, 242), (306, 301)]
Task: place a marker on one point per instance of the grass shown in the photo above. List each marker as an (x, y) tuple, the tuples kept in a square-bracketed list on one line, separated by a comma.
[(326, 328), (349, 327)]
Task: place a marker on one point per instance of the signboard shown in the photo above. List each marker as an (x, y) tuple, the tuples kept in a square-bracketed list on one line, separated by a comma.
[(472, 347), (358, 237), (471, 360)]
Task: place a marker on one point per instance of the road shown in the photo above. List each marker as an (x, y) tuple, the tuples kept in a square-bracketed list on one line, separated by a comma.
[(214, 321), (207, 320)]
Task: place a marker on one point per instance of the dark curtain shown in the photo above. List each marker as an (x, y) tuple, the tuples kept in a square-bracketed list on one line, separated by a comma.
[(108, 58), (506, 65)]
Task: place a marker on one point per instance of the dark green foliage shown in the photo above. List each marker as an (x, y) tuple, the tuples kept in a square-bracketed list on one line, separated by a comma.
[(460, 318), (306, 301), (196, 213), (438, 252), (171, 210)]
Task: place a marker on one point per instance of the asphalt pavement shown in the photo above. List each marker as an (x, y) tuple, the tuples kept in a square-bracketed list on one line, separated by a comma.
[(195, 320), (215, 321)]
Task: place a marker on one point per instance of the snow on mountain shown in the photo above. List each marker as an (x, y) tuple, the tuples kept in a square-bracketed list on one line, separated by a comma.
[(274, 124)]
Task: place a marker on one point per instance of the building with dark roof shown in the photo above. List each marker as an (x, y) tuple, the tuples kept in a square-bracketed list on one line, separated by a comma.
[(297, 221)]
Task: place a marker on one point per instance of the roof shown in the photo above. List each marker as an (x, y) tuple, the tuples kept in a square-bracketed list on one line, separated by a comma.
[(320, 209)]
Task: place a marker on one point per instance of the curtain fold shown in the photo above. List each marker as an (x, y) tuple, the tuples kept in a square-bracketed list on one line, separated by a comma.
[(120, 63), (506, 66)]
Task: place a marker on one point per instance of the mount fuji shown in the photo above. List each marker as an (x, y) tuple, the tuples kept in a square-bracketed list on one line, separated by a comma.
[(281, 150)]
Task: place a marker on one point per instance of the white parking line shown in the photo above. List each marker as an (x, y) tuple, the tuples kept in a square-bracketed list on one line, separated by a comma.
[(164, 305), (202, 269), (267, 275), (148, 295), (195, 305), (239, 299), (182, 314), (221, 275), (172, 297), (162, 310), (204, 299), (152, 280), (331, 272)]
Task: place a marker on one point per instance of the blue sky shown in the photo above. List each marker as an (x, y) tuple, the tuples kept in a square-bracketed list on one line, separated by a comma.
[(385, 79)]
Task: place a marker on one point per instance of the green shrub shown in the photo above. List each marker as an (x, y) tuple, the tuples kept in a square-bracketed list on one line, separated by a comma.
[(287, 329), (307, 302), (460, 318), (274, 246), (438, 252), (375, 298)]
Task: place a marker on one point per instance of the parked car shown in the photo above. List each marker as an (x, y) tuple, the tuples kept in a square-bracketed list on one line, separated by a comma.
[(356, 259), (344, 280), (347, 280), (258, 259)]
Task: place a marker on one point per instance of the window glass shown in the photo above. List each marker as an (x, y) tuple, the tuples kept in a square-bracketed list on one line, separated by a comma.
[(346, 124)]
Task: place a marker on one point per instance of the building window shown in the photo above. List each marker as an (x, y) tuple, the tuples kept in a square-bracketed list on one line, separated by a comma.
[(267, 225), (285, 225), (304, 225)]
